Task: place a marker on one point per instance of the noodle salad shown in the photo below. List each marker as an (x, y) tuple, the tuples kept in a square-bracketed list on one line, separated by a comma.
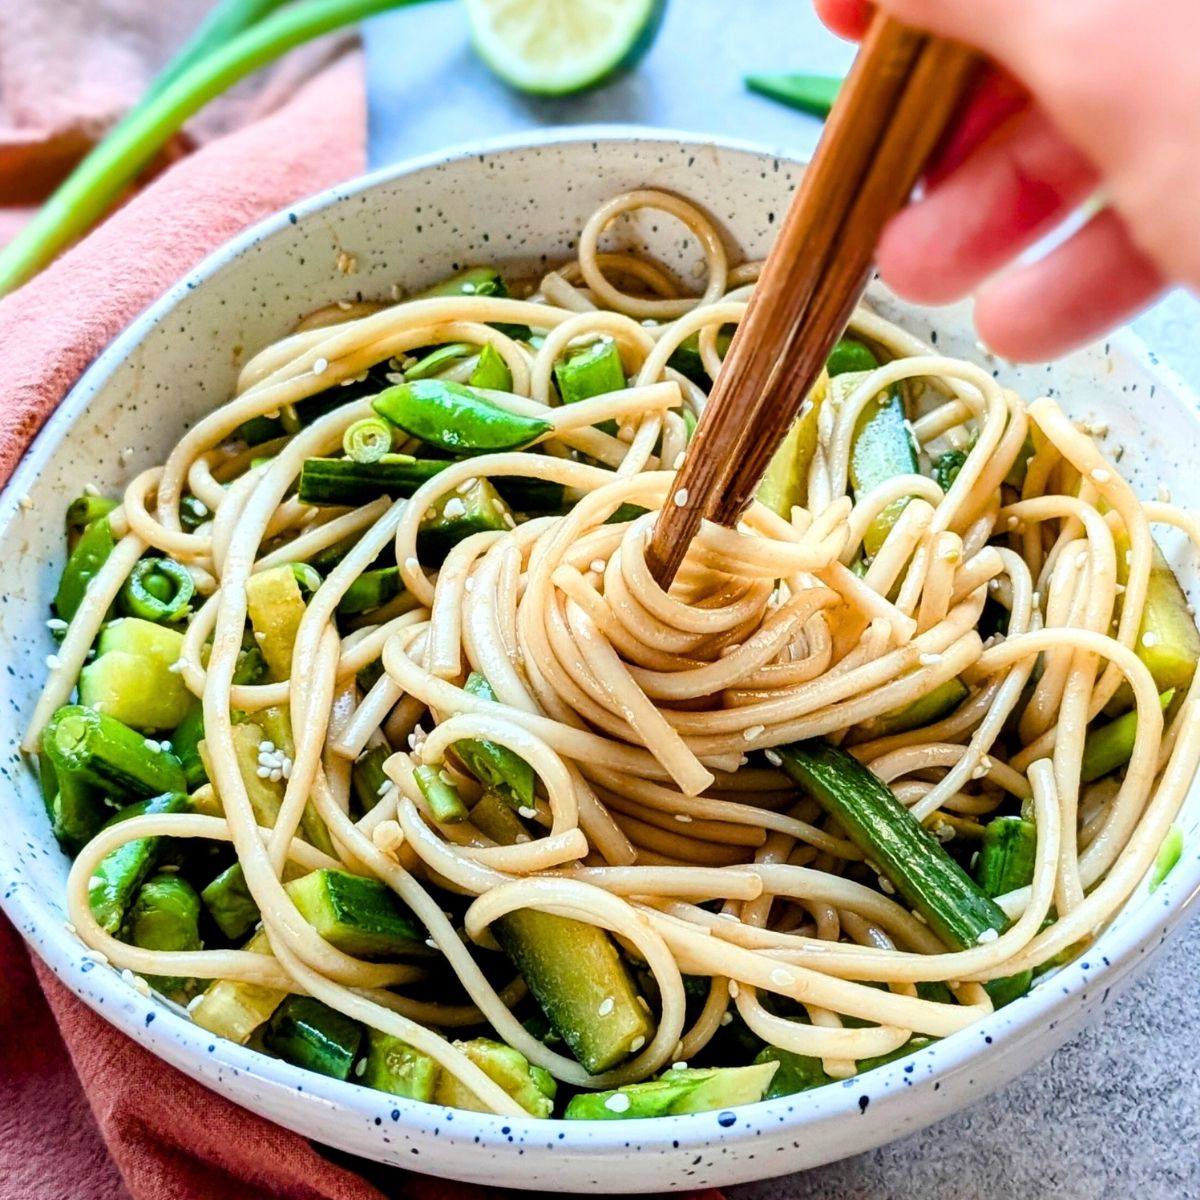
[(377, 746)]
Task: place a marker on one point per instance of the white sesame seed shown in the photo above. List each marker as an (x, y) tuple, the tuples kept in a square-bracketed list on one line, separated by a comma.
[(753, 732), (681, 497), (727, 1018), (774, 758), (69, 927), (618, 1102), (453, 508), (597, 565), (733, 988), (430, 514), (637, 1043), (195, 1002), (141, 985), (606, 1006), (527, 812), (53, 662), (90, 489), (885, 886), (782, 978), (1164, 493), (319, 367), (56, 624), (469, 585), (988, 935), (644, 1003), (411, 564), (683, 818), (466, 485), (266, 746), (25, 501), (929, 660), (360, 1068), (510, 520), (1149, 639), (681, 1065), (263, 772), (1100, 475), (431, 943), (943, 832), (127, 976), (679, 460)]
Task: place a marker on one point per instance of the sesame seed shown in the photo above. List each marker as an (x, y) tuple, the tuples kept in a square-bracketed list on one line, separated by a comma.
[(1100, 475), (56, 624), (466, 485), (1149, 639), (681, 497), (527, 812), (53, 662), (25, 501), (360, 1068), (411, 564), (431, 943), (782, 978), (681, 1065), (69, 927), (606, 1006), (618, 1102), (753, 732), (988, 935), (91, 489), (637, 1043), (195, 1002), (733, 988), (644, 1003), (469, 586), (454, 507), (510, 520), (1164, 493), (597, 565), (263, 772), (885, 886), (679, 460), (727, 1018), (929, 660), (774, 759), (683, 818)]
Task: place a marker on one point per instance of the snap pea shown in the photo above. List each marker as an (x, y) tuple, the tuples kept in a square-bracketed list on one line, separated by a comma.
[(456, 419), (491, 371), (165, 915), (85, 509), (158, 589), (437, 360), (90, 554)]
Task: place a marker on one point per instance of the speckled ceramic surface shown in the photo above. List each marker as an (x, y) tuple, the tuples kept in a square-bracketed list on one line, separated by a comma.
[(521, 207)]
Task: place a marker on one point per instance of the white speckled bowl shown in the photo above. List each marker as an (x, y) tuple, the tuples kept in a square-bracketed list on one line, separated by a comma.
[(521, 206)]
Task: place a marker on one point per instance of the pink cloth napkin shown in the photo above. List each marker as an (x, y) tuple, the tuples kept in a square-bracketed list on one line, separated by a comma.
[(85, 1112)]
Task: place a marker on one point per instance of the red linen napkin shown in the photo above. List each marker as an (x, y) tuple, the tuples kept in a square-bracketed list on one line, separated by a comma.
[(85, 1113)]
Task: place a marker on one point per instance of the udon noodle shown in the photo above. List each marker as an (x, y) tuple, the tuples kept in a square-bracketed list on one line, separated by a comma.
[(651, 719)]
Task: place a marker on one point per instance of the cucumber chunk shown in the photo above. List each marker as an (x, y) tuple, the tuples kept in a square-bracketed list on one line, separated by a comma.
[(361, 916), (676, 1092)]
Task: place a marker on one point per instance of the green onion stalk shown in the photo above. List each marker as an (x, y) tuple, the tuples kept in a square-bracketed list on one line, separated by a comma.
[(235, 41)]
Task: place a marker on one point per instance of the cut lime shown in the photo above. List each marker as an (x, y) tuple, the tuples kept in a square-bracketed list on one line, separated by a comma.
[(556, 47)]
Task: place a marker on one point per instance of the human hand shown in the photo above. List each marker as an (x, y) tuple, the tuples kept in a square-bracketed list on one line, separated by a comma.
[(1086, 95)]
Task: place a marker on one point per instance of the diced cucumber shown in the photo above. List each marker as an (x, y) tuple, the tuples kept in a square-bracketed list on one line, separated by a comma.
[(235, 1010), (395, 1067), (677, 1092), (785, 485), (531, 1087), (1109, 746), (881, 449), (458, 515), (368, 778), (577, 976), (276, 725), (361, 916), (933, 706), (1168, 641), (230, 904), (795, 1073), (276, 608), (132, 677), (310, 1034), (1006, 856)]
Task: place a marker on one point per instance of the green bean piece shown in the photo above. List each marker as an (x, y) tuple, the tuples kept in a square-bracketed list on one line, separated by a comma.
[(119, 875), (1109, 746), (813, 94), (850, 355), (90, 554), (367, 440), (85, 509), (491, 371), (437, 361), (75, 808), (165, 915), (946, 468), (456, 419), (109, 755), (496, 767), (158, 589), (445, 803)]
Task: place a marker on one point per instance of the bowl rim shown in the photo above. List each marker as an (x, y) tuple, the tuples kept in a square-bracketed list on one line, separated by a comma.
[(178, 1041)]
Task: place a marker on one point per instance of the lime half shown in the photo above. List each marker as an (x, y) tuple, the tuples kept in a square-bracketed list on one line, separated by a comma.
[(556, 47)]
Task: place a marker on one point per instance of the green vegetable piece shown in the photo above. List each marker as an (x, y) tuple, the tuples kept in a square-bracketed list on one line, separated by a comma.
[(1168, 641), (933, 706), (850, 356), (108, 754), (1108, 747), (119, 875), (371, 589), (592, 371), (367, 777), (158, 589), (474, 281), (132, 678), (906, 853), (395, 1067), (90, 554), (576, 975), (235, 1010), (494, 818), (185, 744), (676, 1092), (344, 483), (785, 485), (76, 810), (275, 605), (361, 916), (1169, 854), (686, 359), (367, 440), (946, 468), (165, 915), (1011, 987), (456, 419), (85, 509), (437, 361), (445, 803), (531, 1087), (881, 449), (795, 1073), (496, 767), (491, 371), (193, 512), (309, 1034), (813, 94), (233, 909), (1006, 855), (458, 515)]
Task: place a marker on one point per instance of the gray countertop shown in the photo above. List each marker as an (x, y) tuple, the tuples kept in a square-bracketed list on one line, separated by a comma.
[(1116, 1112)]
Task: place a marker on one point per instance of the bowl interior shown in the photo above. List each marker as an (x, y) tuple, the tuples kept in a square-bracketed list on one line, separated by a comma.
[(521, 208)]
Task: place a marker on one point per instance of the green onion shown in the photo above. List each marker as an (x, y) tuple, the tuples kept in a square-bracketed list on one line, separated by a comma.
[(813, 94), (368, 440), (158, 589), (99, 180)]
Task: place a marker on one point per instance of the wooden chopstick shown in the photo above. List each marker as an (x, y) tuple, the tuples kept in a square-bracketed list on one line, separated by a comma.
[(894, 109)]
